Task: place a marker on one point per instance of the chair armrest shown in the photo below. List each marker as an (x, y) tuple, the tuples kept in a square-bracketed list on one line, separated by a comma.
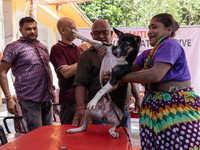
[(14, 118)]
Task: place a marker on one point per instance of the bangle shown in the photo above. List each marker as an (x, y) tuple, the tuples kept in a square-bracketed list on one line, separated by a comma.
[(8, 97), (80, 107)]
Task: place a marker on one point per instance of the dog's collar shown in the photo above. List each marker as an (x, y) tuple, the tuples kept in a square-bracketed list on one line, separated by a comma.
[(107, 44)]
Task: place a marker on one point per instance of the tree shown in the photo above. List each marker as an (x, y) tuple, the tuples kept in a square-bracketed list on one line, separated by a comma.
[(138, 13), (105, 9)]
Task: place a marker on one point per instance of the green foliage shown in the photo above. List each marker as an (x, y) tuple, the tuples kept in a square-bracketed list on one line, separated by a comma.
[(138, 13)]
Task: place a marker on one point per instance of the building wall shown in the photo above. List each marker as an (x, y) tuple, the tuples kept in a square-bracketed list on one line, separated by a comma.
[(47, 16), (1, 27)]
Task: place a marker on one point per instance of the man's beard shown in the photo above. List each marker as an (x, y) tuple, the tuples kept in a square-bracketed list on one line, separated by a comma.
[(31, 39), (103, 40)]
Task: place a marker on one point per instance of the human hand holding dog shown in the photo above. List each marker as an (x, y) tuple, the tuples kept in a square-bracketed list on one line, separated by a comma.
[(78, 118), (105, 76), (101, 51)]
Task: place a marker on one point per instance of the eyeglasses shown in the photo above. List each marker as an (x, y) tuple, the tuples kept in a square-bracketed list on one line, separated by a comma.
[(103, 32)]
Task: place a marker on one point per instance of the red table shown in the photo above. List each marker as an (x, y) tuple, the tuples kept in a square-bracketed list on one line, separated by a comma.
[(96, 137)]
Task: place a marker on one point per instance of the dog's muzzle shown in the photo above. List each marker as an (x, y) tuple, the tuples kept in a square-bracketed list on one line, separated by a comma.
[(115, 51)]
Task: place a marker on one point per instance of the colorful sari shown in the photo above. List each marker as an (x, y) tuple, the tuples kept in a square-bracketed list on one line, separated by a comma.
[(170, 120)]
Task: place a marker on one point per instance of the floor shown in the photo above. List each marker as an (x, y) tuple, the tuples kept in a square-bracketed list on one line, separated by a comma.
[(135, 139)]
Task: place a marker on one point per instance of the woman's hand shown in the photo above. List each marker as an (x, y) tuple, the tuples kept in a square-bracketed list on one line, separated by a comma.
[(105, 76), (138, 103)]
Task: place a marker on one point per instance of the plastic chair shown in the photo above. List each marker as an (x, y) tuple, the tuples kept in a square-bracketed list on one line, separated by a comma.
[(3, 136), (19, 123)]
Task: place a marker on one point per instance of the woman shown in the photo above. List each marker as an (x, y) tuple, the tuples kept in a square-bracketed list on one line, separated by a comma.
[(170, 111)]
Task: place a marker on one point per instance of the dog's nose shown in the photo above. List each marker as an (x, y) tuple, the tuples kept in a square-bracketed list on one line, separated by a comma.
[(114, 47), (116, 53)]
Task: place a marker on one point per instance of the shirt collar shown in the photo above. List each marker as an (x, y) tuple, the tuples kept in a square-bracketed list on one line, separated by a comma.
[(66, 45)]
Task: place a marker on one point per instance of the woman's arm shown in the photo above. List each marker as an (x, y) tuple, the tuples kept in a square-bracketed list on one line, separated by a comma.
[(152, 75), (135, 67)]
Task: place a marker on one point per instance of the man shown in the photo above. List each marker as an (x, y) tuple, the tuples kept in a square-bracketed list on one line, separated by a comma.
[(29, 61), (87, 76), (64, 56)]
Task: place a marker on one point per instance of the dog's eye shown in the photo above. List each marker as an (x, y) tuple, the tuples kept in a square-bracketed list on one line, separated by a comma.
[(128, 44)]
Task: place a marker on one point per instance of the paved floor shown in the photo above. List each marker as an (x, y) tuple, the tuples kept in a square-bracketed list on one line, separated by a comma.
[(134, 126)]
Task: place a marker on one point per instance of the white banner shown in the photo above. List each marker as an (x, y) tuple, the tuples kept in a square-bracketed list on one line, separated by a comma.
[(188, 36)]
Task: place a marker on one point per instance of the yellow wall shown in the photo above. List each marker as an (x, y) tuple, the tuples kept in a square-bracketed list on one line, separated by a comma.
[(0, 86), (45, 18)]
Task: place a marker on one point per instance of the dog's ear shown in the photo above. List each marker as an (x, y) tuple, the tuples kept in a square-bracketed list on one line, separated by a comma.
[(137, 40), (119, 33)]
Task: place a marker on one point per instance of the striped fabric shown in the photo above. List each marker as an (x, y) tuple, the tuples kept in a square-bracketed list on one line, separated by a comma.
[(170, 120)]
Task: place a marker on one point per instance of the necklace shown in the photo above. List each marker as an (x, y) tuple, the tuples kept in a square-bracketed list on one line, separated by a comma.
[(148, 58)]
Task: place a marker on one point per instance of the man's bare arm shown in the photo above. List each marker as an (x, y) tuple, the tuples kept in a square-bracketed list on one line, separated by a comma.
[(11, 105)]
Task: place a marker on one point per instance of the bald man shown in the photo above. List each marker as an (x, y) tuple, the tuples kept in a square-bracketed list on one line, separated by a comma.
[(64, 56), (88, 68), (87, 75)]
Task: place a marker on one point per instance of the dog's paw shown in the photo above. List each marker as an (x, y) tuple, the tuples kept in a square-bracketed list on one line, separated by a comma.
[(70, 131), (74, 130), (115, 134), (92, 104)]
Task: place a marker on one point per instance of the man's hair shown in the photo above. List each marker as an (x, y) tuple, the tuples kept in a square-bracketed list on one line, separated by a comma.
[(25, 20)]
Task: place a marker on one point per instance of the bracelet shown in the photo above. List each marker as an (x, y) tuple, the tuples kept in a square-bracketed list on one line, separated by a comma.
[(83, 107), (8, 97)]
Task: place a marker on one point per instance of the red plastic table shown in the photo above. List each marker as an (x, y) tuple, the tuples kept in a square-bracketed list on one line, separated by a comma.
[(54, 137)]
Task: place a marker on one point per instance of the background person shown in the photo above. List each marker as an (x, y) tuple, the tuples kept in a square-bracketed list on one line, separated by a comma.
[(169, 116), (29, 62), (85, 46), (64, 56)]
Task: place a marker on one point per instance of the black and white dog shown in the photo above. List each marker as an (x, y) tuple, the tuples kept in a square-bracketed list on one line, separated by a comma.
[(117, 60)]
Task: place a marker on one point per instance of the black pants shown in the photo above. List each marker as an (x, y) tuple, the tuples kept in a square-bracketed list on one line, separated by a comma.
[(67, 113), (36, 114)]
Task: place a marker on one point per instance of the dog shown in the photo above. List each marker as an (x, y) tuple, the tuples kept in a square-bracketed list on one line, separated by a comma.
[(117, 60)]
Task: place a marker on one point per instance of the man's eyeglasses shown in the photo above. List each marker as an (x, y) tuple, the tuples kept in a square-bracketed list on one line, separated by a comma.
[(103, 32)]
